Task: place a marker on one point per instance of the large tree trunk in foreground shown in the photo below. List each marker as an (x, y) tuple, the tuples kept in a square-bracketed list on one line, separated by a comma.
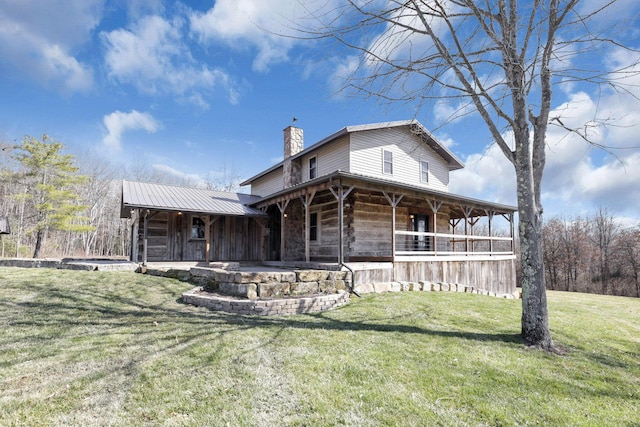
[(535, 325)]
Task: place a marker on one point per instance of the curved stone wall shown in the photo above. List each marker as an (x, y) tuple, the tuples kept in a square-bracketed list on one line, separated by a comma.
[(282, 306)]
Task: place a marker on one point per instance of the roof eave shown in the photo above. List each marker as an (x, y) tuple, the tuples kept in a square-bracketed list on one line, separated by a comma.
[(255, 214)]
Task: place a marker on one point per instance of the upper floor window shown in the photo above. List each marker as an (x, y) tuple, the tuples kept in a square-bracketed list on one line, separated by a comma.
[(424, 171), (387, 162), (197, 228), (313, 167)]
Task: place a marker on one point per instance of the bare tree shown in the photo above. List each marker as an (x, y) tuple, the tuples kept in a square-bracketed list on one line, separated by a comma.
[(552, 237), (576, 252), (603, 233), (493, 57), (629, 248)]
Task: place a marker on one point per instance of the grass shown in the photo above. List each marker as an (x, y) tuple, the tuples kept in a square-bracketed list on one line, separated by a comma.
[(119, 349)]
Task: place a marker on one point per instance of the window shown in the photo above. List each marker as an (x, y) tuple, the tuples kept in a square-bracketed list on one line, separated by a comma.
[(313, 170), (197, 228), (387, 162), (424, 171), (313, 226)]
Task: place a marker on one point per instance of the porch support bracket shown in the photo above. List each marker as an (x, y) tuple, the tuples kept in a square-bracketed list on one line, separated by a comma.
[(435, 207)]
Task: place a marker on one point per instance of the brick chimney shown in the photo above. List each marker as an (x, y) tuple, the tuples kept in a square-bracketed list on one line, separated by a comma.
[(293, 144)]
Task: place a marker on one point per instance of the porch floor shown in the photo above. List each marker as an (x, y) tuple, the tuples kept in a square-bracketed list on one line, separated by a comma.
[(274, 266)]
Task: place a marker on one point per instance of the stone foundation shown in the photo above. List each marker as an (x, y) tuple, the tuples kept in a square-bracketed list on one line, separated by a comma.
[(272, 284), (426, 286)]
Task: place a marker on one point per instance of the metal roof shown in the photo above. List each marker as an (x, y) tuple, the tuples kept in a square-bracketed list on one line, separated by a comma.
[(184, 199), (415, 126)]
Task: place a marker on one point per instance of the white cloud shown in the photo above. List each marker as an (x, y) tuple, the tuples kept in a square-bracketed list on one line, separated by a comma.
[(576, 178), (117, 123), (35, 40), (175, 176), (153, 57), (256, 24), (343, 70)]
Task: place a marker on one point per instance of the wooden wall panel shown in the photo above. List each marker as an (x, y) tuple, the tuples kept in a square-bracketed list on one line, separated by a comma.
[(497, 276)]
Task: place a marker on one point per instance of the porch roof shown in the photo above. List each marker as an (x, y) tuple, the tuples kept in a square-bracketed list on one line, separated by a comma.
[(382, 185), (183, 199)]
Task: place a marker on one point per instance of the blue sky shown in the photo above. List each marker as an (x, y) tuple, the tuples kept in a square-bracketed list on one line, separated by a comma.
[(199, 89)]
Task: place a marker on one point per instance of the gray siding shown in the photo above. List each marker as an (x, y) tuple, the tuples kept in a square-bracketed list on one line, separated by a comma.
[(330, 158), (407, 149), (268, 184)]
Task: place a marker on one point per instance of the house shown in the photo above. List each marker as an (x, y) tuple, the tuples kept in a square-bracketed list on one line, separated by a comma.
[(374, 198)]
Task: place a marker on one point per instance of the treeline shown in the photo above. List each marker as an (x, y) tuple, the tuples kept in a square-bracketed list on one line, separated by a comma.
[(595, 254), (63, 205)]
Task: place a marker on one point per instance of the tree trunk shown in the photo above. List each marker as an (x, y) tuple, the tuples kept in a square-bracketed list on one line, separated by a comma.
[(529, 164), (535, 323), (39, 238)]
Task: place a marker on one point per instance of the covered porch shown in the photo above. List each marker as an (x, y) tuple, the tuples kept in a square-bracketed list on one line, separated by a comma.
[(399, 232), (348, 218)]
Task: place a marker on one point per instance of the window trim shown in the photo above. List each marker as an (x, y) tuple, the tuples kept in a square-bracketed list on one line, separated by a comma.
[(386, 162), (424, 172), (315, 167)]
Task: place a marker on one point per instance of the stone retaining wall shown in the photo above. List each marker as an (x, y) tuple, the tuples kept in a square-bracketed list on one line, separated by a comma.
[(426, 286), (274, 307), (271, 284), (70, 264)]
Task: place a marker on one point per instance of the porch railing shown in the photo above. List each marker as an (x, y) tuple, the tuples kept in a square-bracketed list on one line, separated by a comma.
[(414, 243)]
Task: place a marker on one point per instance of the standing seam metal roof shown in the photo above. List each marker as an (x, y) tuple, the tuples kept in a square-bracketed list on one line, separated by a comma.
[(173, 198)]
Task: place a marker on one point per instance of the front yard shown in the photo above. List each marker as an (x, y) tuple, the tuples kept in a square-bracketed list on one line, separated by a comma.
[(120, 349)]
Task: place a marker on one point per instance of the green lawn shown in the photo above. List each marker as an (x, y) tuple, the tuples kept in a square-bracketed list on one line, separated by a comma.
[(113, 348)]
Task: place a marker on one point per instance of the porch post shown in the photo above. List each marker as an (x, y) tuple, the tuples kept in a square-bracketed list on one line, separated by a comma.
[(145, 240), (340, 196), (394, 200), (454, 223), (435, 207), (133, 256), (306, 202), (511, 229), (490, 216), (282, 207), (207, 237), (467, 214)]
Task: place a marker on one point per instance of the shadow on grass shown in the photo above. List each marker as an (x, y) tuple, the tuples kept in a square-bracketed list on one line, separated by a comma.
[(325, 321), (119, 310)]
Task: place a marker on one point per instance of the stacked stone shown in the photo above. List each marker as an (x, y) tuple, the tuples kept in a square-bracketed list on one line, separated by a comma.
[(263, 285), (272, 307), (426, 286)]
